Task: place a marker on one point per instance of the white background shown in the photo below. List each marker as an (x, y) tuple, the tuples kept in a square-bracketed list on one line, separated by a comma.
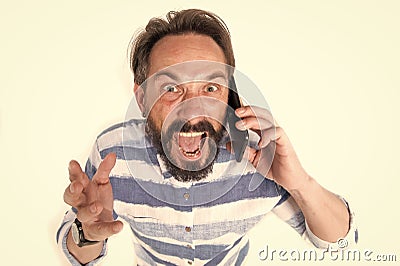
[(329, 70)]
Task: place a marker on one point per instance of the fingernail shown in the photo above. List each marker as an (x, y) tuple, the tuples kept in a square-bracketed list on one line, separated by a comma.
[(240, 125), (71, 188), (240, 110)]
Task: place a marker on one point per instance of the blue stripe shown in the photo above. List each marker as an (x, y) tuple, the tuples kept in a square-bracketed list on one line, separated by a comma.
[(285, 195), (130, 191), (207, 252), (202, 252), (111, 128), (90, 170), (200, 231), (152, 257), (217, 259), (59, 230), (135, 191), (241, 191), (242, 254), (297, 222), (166, 248), (159, 230)]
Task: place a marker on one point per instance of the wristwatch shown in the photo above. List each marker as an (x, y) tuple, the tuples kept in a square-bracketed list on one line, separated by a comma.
[(78, 236)]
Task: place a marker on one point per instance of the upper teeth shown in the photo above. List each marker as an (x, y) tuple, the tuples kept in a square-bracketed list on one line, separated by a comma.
[(190, 134)]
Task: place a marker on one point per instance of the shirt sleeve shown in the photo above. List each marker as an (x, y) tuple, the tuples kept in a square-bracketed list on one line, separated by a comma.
[(288, 210), (62, 233), (62, 241)]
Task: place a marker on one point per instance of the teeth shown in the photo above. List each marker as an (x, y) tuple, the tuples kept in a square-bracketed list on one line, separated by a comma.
[(190, 134), (191, 154)]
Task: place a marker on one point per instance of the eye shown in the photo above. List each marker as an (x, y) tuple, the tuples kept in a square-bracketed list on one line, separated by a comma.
[(211, 88), (171, 88)]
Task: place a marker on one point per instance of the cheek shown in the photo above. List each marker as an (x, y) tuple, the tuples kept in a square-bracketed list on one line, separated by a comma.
[(159, 112)]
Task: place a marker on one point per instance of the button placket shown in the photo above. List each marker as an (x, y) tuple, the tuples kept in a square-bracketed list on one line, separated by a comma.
[(188, 230)]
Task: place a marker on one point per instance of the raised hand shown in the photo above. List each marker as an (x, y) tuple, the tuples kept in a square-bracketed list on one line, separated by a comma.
[(93, 199)]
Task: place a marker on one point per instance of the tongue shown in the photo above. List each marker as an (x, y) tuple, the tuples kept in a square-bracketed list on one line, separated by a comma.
[(189, 144)]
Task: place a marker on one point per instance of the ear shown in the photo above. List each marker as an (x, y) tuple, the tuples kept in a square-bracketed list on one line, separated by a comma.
[(139, 95)]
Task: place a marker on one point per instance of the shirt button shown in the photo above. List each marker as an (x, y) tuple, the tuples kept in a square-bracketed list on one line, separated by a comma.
[(189, 246), (190, 262), (186, 195), (188, 229)]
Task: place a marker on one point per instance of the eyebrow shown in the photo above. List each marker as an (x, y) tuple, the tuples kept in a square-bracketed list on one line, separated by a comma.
[(214, 75)]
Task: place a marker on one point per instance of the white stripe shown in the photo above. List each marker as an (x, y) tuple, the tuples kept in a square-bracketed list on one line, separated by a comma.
[(166, 215), (241, 209), (111, 138), (137, 169)]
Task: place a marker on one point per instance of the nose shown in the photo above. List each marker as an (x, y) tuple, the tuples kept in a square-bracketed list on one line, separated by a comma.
[(191, 91), (192, 108)]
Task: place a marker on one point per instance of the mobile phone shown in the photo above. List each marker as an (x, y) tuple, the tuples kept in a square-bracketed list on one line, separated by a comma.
[(239, 138)]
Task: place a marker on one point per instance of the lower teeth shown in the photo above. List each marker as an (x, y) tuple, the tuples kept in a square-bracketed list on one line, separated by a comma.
[(191, 154)]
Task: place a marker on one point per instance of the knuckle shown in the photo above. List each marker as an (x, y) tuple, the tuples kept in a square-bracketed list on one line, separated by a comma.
[(99, 227)]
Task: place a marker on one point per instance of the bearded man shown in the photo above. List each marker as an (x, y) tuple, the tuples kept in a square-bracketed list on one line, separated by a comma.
[(171, 175)]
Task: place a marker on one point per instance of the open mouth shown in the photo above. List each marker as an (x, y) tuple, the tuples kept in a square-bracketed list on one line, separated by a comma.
[(190, 143)]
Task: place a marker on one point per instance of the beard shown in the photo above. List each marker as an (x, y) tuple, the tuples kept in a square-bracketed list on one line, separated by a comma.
[(191, 171)]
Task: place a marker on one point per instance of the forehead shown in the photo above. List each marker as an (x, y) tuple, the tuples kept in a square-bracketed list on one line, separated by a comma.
[(175, 49)]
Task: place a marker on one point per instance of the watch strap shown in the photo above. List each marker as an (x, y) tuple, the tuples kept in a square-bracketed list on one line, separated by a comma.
[(82, 241)]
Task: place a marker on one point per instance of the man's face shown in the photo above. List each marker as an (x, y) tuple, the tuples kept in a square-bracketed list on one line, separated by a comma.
[(186, 147)]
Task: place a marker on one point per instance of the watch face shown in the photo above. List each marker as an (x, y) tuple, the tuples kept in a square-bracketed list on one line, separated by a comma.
[(75, 233)]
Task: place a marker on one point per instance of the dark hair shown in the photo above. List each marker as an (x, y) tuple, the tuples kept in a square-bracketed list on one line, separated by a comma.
[(177, 23)]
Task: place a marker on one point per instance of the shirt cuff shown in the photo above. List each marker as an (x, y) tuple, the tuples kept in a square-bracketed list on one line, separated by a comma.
[(70, 257), (349, 240)]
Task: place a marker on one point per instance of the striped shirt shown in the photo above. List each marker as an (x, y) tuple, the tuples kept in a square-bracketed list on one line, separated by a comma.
[(186, 223)]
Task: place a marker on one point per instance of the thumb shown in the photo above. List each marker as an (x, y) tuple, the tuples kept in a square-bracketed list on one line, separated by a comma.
[(101, 230)]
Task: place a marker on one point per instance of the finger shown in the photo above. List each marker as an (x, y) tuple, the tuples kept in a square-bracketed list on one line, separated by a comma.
[(90, 212), (102, 230), (73, 195), (76, 173), (253, 123), (251, 154), (259, 112), (75, 170), (267, 136), (264, 159), (105, 167)]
